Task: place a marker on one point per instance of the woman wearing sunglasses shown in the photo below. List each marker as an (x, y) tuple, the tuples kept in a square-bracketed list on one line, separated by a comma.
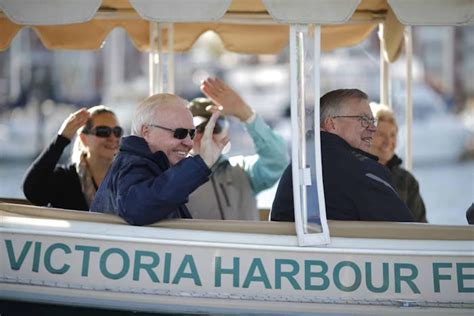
[(74, 186)]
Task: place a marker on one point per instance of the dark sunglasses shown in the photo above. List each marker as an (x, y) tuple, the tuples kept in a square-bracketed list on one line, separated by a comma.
[(105, 131), (179, 133), (217, 128)]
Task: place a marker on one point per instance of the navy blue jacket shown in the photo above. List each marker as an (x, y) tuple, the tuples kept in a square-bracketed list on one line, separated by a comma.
[(356, 187), (142, 188)]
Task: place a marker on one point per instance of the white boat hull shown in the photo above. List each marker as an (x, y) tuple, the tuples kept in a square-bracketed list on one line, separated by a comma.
[(112, 265)]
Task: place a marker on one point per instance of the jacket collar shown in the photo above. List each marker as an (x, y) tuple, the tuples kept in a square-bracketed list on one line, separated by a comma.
[(394, 162), (223, 160), (138, 146), (328, 139)]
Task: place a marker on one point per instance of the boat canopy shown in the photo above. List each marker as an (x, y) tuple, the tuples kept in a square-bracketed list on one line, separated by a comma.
[(259, 27)]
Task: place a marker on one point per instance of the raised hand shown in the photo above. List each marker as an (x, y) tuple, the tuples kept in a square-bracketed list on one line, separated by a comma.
[(73, 122), (210, 148), (223, 95)]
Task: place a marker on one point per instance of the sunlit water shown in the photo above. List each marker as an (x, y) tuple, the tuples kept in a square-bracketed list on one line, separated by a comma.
[(447, 189)]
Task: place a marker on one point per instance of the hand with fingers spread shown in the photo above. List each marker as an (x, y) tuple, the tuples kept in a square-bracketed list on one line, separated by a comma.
[(73, 122), (210, 148), (223, 95), (236, 179)]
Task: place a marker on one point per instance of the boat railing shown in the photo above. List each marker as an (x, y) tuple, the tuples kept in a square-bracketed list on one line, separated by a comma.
[(344, 229), (14, 201)]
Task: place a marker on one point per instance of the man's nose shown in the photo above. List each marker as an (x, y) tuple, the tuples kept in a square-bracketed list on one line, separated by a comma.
[(372, 128), (188, 141)]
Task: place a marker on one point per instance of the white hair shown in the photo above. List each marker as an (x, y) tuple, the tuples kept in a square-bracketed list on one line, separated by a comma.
[(383, 113), (145, 112)]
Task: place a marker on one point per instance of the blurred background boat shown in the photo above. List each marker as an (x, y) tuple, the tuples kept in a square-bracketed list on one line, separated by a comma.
[(438, 135)]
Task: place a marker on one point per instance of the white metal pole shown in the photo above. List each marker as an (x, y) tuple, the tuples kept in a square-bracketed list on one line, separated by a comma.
[(317, 85), (447, 62), (115, 61), (317, 134), (170, 58), (161, 66), (301, 88), (16, 54), (152, 59), (297, 134), (155, 59), (385, 83), (409, 97)]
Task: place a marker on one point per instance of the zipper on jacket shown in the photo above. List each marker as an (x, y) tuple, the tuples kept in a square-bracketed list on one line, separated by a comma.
[(219, 204), (225, 194)]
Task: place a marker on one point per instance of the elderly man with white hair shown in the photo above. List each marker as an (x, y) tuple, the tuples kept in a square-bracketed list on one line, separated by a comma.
[(152, 176)]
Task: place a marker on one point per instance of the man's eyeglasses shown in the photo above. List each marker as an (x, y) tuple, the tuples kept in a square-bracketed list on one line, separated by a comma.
[(179, 133), (104, 131), (365, 121), (217, 128)]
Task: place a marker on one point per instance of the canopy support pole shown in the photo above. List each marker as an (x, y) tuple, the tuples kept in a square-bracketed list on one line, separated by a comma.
[(385, 83), (155, 59), (448, 60), (297, 135), (16, 53), (321, 202), (170, 58), (408, 97), (309, 205), (115, 61)]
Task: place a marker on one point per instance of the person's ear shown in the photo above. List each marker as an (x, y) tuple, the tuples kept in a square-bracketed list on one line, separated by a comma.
[(145, 130), (84, 139), (329, 124)]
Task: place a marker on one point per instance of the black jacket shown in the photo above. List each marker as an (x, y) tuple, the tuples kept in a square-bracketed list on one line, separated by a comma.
[(46, 184), (142, 188), (408, 189), (356, 187)]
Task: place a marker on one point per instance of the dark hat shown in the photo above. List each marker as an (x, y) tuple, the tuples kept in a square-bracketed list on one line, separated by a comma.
[(199, 108)]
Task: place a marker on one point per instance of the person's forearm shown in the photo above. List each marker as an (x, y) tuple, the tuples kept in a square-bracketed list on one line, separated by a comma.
[(272, 156), (41, 172)]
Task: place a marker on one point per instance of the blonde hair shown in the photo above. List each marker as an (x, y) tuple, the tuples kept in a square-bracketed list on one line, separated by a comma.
[(383, 113), (145, 112), (79, 148)]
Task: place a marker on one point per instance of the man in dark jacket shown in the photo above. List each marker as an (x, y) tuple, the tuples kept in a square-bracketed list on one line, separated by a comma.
[(152, 177), (356, 186)]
